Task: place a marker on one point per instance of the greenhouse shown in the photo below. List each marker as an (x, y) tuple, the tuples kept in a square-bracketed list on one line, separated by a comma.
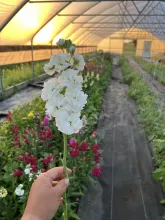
[(82, 110)]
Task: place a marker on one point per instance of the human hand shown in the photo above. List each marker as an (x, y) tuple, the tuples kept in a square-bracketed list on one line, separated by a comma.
[(45, 195)]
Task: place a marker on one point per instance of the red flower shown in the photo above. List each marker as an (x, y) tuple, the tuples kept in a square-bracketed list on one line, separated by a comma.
[(45, 134), (95, 148), (18, 172), (15, 129), (84, 146), (9, 116), (97, 157), (34, 168), (28, 158), (97, 171), (43, 170), (48, 159), (74, 153), (16, 141)]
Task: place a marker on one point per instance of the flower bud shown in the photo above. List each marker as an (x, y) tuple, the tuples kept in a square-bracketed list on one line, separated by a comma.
[(60, 42), (72, 49)]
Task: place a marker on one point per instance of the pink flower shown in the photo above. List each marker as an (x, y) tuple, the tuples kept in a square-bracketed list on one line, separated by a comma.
[(94, 134), (84, 146), (97, 171), (18, 172), (46, 120), (72, 142), (48, 159)]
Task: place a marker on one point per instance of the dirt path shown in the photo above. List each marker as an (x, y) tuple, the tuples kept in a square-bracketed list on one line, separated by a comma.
[(126, 190)]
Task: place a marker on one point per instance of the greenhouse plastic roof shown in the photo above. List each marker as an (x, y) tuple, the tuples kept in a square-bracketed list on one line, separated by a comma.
[(43, 22)]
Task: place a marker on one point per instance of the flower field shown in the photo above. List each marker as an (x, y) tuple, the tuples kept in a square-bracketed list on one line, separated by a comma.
[(149, 115), (32, 144)]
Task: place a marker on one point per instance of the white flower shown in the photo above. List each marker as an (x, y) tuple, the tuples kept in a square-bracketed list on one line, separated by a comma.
[(91, 84), (87, 74), (27, 169), (19, 191), (51, 89), (60, 62), (76, 99), (60, 42), (49, 69), (92, 74), (64, 96), (3, 192), (30, 176), (70, 126), (85, 86), (69, 78), (78, 62), (97, 77)]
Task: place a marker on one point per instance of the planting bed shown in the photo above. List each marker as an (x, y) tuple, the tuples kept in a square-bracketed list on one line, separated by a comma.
[(26, 141)]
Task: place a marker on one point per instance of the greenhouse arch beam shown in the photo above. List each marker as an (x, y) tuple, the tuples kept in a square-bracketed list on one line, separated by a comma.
[(112, 15), (13, 14), (140, 14), (51, 42), (48, 21)]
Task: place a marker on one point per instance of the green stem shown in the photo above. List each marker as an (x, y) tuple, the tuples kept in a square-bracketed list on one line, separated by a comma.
[(66, 175)]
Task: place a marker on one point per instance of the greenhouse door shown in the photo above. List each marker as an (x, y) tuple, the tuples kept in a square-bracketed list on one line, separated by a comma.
[(147, 48)]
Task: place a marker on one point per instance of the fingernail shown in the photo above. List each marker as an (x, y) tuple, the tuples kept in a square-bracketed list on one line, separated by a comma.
[(67, 181)]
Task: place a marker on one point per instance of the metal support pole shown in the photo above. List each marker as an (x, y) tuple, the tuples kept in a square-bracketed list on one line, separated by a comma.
[(1, 84), (109, 47), (51, 48), (32, 51)]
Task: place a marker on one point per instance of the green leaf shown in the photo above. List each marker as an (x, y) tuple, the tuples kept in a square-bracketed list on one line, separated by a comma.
[(75, 194), (74, 215), (162, 202)]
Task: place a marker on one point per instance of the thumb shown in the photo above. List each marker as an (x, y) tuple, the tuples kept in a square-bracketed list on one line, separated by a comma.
[(61, 187)]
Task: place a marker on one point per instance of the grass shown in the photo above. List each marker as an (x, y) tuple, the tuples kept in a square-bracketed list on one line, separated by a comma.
[(157, 70), (13, 74)]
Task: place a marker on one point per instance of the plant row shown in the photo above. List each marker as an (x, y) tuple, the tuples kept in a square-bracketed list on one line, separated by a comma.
[(152, 119), (31, 144), (157, 70)]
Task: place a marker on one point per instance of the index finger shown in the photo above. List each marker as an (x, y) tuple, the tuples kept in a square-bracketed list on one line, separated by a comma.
[(56, 172)]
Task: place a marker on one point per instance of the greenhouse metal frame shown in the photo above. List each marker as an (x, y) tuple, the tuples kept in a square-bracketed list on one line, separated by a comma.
[(85, 22)]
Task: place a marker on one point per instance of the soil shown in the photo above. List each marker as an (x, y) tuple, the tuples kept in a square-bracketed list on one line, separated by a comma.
[(126, 189)]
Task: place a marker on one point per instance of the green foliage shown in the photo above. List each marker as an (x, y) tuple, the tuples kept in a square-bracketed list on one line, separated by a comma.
[(13, 74), (150, 116)]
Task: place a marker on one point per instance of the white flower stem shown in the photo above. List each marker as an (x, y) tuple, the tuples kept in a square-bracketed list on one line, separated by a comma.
[(66, 175)]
